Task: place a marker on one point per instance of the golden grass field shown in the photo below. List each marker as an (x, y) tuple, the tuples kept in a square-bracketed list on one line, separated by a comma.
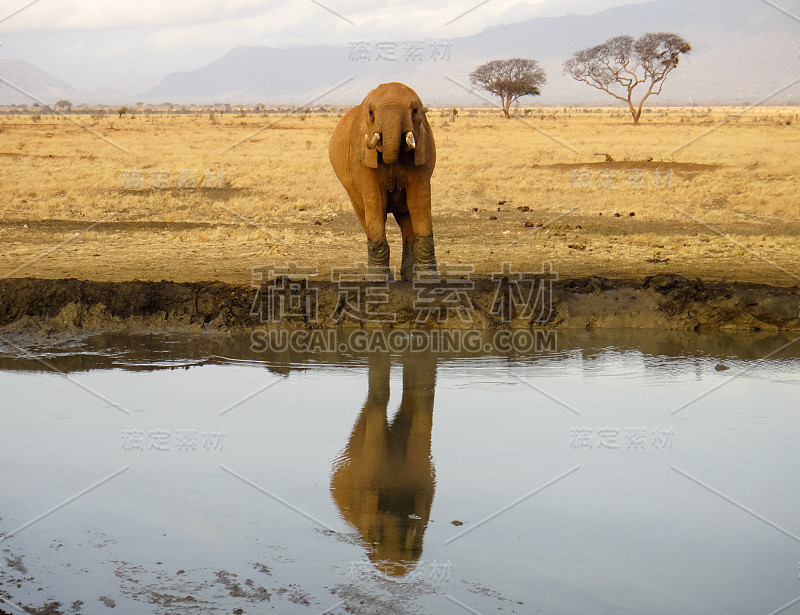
[(724, 207)]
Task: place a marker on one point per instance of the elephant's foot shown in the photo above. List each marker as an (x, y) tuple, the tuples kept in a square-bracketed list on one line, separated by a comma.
[(378, 260), (425, 257), (407, 264)]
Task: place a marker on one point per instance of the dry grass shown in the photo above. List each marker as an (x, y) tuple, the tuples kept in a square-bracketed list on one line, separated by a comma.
[(278, 183)]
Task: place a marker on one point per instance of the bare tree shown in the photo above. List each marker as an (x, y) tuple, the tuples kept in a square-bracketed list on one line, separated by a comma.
[(63, 105), (509, 79), (622, 64)]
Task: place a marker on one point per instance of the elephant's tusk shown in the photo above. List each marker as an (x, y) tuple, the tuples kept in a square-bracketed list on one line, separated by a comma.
[(373, 143), (410, 140)]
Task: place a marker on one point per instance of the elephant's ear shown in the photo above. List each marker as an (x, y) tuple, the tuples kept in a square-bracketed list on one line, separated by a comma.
[(368, 156), (421, 151)]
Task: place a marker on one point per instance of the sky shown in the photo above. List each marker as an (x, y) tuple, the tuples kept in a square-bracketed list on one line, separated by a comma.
[(131, 46)]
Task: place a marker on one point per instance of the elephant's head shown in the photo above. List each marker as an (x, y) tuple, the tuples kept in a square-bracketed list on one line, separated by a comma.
[(394, 122)]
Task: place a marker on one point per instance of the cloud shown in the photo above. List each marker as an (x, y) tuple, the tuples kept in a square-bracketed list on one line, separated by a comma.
[(292, 17), (103, 14)]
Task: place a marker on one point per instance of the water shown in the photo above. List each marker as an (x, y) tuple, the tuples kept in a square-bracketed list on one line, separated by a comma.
[(624, 473)]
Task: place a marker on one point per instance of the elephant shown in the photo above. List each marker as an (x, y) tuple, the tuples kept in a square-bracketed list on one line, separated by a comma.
[(384, 481), (383, 153)]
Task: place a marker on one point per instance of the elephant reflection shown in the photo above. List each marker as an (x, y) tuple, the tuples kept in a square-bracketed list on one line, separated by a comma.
[(383, 482)]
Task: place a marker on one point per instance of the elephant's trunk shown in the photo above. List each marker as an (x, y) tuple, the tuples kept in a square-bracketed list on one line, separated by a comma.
[(396, 127), (393, 129), (391, 146)]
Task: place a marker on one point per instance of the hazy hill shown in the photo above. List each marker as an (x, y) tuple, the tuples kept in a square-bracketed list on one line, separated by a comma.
[(27, 84), (742, 51), (39, 85)]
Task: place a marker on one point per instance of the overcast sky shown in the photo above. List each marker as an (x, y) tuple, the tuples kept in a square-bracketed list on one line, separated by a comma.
[(132, 45)]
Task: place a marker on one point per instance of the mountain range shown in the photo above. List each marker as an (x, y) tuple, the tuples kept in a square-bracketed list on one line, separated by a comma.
[(742, 51)]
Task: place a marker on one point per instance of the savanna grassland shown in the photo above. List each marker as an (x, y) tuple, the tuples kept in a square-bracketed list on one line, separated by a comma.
[(703, 192)]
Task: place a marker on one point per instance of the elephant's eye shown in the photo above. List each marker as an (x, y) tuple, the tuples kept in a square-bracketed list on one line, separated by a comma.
[(414, 110), (371, 114)]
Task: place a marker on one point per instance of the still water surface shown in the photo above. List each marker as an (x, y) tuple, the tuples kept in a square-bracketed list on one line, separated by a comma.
[(624, 473)]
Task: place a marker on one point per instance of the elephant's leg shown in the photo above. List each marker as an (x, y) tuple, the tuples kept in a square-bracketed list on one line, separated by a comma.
[(377, 250), (419, 386), (407, 230), (358, 208), (418, 200), (378, 260), (375, 407), (419, 206), (377, 246), (407, 262), (425, 256)]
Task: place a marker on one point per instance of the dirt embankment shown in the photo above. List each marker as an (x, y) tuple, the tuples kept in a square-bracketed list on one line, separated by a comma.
[(669, 302)]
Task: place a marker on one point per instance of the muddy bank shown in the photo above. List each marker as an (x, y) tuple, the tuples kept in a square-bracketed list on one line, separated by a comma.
[(667, 302)]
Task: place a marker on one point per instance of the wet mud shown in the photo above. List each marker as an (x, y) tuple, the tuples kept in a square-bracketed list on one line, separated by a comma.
[(666, 302)]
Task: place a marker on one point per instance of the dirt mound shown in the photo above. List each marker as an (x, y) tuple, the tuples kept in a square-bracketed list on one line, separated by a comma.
[(665, 301)]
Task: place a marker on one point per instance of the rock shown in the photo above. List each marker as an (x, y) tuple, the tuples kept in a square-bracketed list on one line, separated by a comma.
[(492, 217), (666, 282), (592, 284), (776, 310), (108, 601)]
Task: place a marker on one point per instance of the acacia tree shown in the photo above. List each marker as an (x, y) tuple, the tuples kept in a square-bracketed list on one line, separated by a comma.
[(623, 64), (509, 79)]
